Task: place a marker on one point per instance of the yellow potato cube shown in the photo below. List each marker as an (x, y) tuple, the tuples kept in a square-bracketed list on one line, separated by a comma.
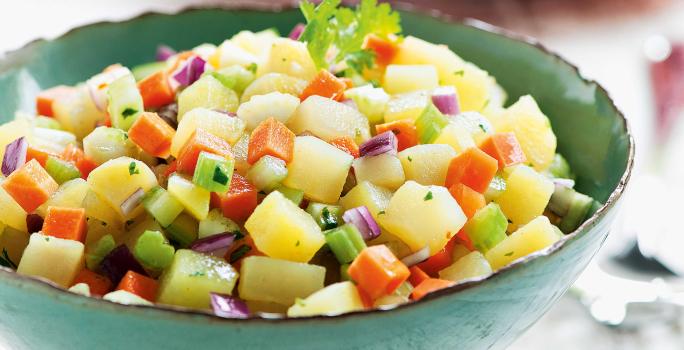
[(335, 299), (13, 214), (427, 164), (13, 241), (274, 82), (536, 235), (329, 119), (527, 194), (261, 107), (195, 199), (469, 266), (290, 57), (69, 195), (58, 260), (213, 122), (407, 78), (456, 136), (383, 170), (406, 106), (374, 197)]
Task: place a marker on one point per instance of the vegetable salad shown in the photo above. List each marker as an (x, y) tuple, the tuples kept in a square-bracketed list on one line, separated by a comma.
[(341, 168)]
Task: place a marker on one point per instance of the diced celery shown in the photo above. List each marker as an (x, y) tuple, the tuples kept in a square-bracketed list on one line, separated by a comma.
[(560, 168), (195, 199), (125, 102), (153, 250), (496, 187), (162, 206), (327, 216), (216, 223), (345, 242), (487, 227), (95, 255), (577, 212), (267, 173), (430, 124), (344, 273), (60, 170), (183, 230), (213, 172), (293, 194), (234, 77), (144, 70), (47, 123), (370, 101)]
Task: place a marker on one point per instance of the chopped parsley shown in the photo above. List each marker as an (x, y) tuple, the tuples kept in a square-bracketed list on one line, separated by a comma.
[(509, 221), (220, 176), (133, 168), (252, 67), (482, 127), (239, 253), (329, 221), (129, 222), (410, 159), (103, 223), (6, 261), (459, 72), (238, 235), (486, 104), (128, 112), (196, 274), (508, 254), (428, 196), (297, 244), (381, 212)]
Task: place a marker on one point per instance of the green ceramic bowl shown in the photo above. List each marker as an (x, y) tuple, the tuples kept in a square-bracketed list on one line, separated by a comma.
[(489, 313)]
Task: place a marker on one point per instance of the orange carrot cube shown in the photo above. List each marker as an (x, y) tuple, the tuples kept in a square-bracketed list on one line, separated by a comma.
[(76, 156), (139, 285), (66, 223), (325, 84), (346, 144), (198, 142), (404, 130), (39, 155), (505, 148), (99, 285), (417, 275), (384, 49), (47, 97), (152, 134), (30, 185), (156, 90), (272, 138), (468, 199), (428, 286), (377, 271), (240, 200), (473, 168)]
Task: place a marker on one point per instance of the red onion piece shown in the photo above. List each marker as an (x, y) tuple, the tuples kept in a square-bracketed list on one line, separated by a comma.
[(15, 155), (99, 83), (216, 245), (446, 100), (228, 306), (190, 71), (296, 31), (118, 262), (417, 257), (164, 52), (132, 202), (380, 144), (363, 220), (34, 223)]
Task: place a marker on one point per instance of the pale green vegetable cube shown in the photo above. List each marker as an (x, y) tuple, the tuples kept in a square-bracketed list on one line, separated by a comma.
[(267, 173), (329, 119), (235, 77), (406, 78), (271, 82), (213, 122), (534, 236), (162, 206), (335, 299), (97, 251), (370, 101), (105, 143), (216, 223), (153, 250), (375, 198), (195, 199), (526, 196), (406, 106), (470, 266), (125, 102), (261, 107), (58, 260), (427, 164), (382, 170), (207, 92)]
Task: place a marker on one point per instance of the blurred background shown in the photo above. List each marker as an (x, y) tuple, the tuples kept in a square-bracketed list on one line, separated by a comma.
[(630, 297)]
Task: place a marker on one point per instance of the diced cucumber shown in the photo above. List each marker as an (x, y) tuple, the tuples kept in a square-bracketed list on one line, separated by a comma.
[(345, 242), (267, 173), (577, 212), (144, 70), (105, 143), (430, 124), (183, 230), (496, 187), (60, 170), (560, 168), (327, 216), (216, 223), (234, 77), (370, 101), (213, 172), (162, 206), (47, 123), (153, 250), (125, 102), (487, 227), (95, 255), (293, 194)]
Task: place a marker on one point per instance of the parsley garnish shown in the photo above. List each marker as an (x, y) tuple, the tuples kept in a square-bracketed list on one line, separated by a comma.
[(252, 67), (297, 244), (238, 235), (486, 104), (482, 127), (239, 253), (381, 212), (6, 261), (128, 112), (220, 176), (196, 274), (459, 72), (103, 223), (508, 254), (410, 159), (329, 221), (428, 196), (133, 168), (129, 222)]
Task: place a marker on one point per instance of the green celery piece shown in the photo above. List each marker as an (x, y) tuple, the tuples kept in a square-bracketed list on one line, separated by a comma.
[(344, 273), (216, 223), (60, 170), (125, 102), (577, 211), (95, 255), (267, 173), (47, 123), (153, 250), (234, 77), (345, 242), (560, 168), (183, 230), (430, 124), (496, 187), (162, 206), (326, 216), (293, 194), (213, 172), (144, 70), (487, 227)]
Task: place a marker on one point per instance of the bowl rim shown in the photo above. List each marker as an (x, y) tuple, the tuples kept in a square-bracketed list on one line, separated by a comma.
[(9, 58)]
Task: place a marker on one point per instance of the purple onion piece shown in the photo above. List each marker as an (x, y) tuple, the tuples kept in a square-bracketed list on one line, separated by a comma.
[(34, 223), (363, 220), (190, 71), (170, 114), (132, 202), (380, 144), (164, 52), (217, 244), (228, 306), (417, 257), (297, 31), (15, 156), (446, 100), (118, 262)]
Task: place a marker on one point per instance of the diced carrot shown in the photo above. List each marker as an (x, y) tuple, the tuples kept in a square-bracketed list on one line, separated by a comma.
[(156, 90), (505, 148), (469, 199), (462, 237), (428, 286), (173, 166), (30, 185), (47, 97), (377, 271), (365, 298), (198, 142), (346, 144), (272, 138), (240, 200), (77, 157), (417, 275), (39, 155), (473, 168), (241, 249), (152, 134), (405, 131), (439, 260), (384, 49), (325, 84), (139, 285), (99, 285), (66, 223), (348, 83)]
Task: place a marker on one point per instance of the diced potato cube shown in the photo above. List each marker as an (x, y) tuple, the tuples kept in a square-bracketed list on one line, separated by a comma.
[(406, 78), (383, 170), (456, 136), (329, 119), (77, 112), (478, 125), (258, 43), (230, 54), (261, 107), (213, 122), (374, 197), (195, 199), (534, 236), (527, 194), (14, 242), (318, 168), (423, 216), (406, 106), (209, 93), (283, 230), (272, 82), (69, 195), (470, 266), (192, 276), (427, 164), (290, 57), (106, 143), (278, 281), (335, 299), (99, 209), (58, 260), (13, 214)]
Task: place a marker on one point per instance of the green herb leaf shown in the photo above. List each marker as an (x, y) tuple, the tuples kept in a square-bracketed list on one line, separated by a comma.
[(252, 67), (133, 168), (128, 112), (508, 254), (220, 176), (410, 159), (482, 127), (459, 72), (239, 253), (428, 196), (297, 244), (238, 235), (381, 212), (6, 261), (329, 220), (197, 274)]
